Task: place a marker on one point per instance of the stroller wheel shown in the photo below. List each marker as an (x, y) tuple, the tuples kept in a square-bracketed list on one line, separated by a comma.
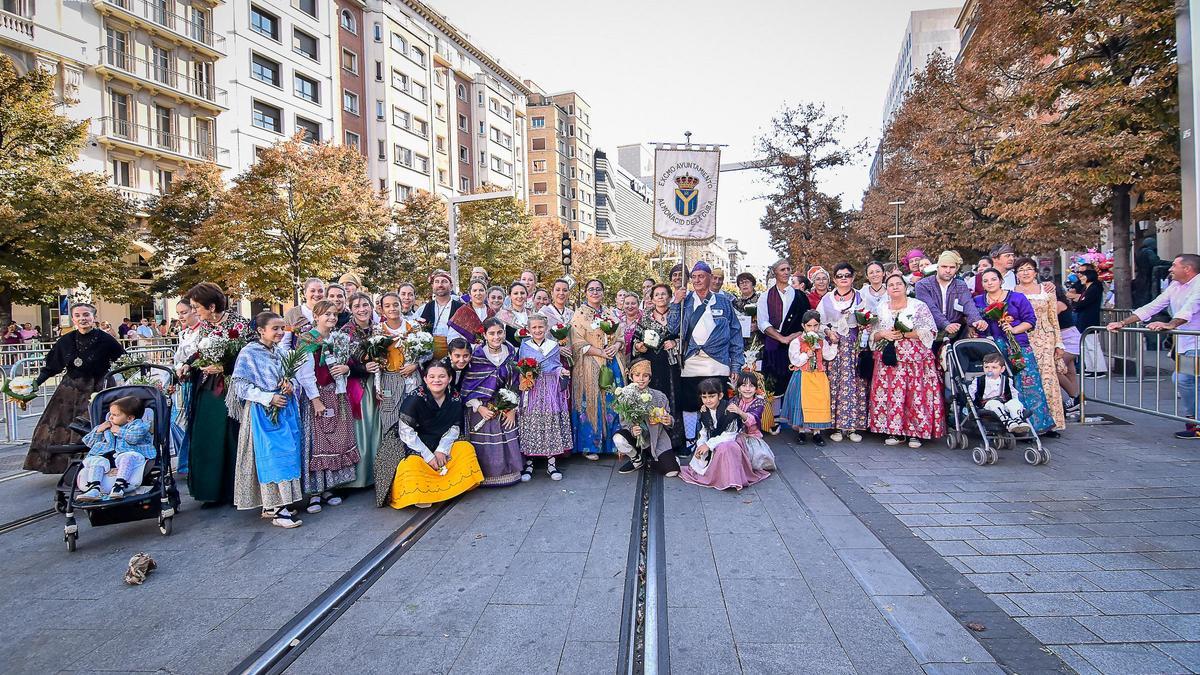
[(164, 526), (993, 456), (963, 440), (1033, 456), (979, 456), (952, 439), (1045, 456), (70, 539)]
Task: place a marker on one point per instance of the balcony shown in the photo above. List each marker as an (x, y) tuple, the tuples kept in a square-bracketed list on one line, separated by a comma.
[(159, 21), (16, 26), (142, 139), (114, 63)]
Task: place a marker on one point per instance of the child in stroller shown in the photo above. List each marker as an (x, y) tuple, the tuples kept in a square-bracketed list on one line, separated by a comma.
[(996, 392), (119, 449)]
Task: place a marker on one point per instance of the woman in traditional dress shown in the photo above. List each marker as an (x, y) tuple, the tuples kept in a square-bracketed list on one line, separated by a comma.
[(1019, 319), (906, 392), (592, 414), (361, 392), (559, 310), (496, 301), (189, 336), (540, 298), (661, 321), (409, 309), (1045, 339), (847, 388), (467, 321), (494, 434), (399, 379), (631, 316), (330, 450), (720, 461), (212, 449), (269, 441), (872, 290), (780, 310), (437, 465), (85, 354), (515, 314), (545, 418), (819, 278), (299, 319)]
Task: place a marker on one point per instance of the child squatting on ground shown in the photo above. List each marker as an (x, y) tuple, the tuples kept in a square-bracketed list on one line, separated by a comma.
[(119, 448), (998, 394)]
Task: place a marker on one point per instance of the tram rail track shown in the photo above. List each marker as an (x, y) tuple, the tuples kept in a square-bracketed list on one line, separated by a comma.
[(644, 648), (290, 642), (32, 518)]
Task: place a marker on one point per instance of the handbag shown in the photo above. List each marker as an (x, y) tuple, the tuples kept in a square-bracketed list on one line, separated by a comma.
[(866, 364)]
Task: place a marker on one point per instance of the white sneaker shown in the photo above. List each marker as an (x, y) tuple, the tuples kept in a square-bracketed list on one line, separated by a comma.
[(286, 523), (672, 473), (592, 456), (1019, 428), (855, 437), (914, 443), (891, 440), (836, 437), (92, 495)]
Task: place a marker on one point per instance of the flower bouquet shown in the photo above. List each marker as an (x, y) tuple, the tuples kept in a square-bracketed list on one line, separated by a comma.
[(632, 405), (651, 338), (995, 311), (505, 399), (219, 348), (21, 390), (479, 335), (560, 331), (607, 325), (289, 365), (998, 312), (750, 356), (865, 319), (813, 342), (375, 349), (418, 347), (335, 351), (522, 333), (529, 369)]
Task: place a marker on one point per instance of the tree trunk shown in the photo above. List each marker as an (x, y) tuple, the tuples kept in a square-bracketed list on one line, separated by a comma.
[(6, 306), (1119, 215)]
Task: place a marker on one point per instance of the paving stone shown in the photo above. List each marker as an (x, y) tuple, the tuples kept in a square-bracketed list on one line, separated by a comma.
[(752, 555), (995, 563), (963, 669), (783, 658), (376, 654), (1052, 604), (1186, 626), (920, 520), (1187, 602), (1056, 582), (443, 605), (952, 548), (588, 658), (1005, 531), (1059, 562), (1075, 660), (1124, 561), (515, 638), (1130, 580), (597, 611), (880, 573), (1186, 654), (1127, 658), (1125, 602), (217, 651), (846, 532), (1178, 579), (944, 533), (931, 634), (701, 641), (957, 519), (1000, 582), (541, 578), (1127, 628), (1001, 546), (1057, 630), (777, 611)]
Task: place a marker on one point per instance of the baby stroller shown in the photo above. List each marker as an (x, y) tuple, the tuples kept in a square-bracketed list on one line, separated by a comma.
[(964, 363), (158, 496)]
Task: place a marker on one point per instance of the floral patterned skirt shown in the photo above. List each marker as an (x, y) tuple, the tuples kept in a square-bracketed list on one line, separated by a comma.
[(906, 399), (1029, 385), (847, 391), (545, 418)]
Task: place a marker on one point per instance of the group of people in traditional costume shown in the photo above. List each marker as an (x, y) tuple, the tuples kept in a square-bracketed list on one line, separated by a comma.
[(424, 401)]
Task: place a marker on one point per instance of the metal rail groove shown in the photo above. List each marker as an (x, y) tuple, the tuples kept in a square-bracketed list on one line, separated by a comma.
[(289, 642), (27, 520), (644, 644)]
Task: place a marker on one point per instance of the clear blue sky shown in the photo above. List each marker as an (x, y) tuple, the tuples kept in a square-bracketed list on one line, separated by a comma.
[(720, 69)]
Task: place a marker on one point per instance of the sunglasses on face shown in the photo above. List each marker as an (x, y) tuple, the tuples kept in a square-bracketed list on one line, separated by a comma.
[(843, 276)]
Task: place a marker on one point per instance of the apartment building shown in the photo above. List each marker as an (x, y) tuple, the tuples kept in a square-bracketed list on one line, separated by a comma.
[(350, 85), (624, 206), (444, 115), (562, 184)]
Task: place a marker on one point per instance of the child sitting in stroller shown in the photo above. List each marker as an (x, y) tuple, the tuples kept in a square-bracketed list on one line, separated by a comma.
[(119, 449), (998, 394)]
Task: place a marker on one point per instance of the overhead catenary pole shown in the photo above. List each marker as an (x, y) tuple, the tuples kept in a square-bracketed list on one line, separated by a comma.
[(898, 235), (453, 218)]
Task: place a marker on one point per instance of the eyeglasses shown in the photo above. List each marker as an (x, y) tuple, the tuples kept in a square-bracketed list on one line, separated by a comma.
[(843, 276), (595, 289)]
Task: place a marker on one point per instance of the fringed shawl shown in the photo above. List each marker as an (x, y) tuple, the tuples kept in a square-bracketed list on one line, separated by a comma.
[(484, 378)]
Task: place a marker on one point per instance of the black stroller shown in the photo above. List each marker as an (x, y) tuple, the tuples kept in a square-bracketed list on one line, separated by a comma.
[(158, 496), (964, 363)]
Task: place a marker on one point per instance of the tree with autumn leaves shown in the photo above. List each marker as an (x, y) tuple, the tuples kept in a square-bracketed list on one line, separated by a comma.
[(1061, 117)]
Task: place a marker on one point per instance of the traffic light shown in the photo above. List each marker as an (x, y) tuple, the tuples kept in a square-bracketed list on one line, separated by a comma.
[(566, 249)]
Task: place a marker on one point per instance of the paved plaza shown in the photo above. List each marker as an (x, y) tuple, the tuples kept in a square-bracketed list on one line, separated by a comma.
[(854, 558)]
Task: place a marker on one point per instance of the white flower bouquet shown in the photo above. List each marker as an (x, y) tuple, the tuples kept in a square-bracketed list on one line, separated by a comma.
[(21, 390), (418, 347), (335, 351), (505, 399)]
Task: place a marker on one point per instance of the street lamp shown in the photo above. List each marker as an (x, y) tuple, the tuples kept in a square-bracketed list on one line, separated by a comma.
[(898, 236), (454, 202)]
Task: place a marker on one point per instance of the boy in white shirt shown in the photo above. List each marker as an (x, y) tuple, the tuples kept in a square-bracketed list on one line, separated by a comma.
[(998, 393)]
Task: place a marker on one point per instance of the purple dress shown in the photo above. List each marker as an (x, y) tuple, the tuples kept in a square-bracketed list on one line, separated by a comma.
[(729, 464), (498, 449), (545, 422)]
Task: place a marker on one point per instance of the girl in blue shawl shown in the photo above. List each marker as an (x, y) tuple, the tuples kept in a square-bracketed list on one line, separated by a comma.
[(268, 448)]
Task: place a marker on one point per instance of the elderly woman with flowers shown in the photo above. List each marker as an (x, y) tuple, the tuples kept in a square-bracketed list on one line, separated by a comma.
[(906, 392), (1010, 318)]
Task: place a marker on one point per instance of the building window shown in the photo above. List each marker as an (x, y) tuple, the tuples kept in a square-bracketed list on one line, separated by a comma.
[(539, 166), (401, 118), (264, 23), (421, 128), (267, 117), (441, 144), (482, 129), (417, 54), (382, 155), (165, 178), (422, 164), (418, 91), (537, 144), (439, 111), (399, 80), (462, 122), (350, 102), (443, 177), (121, 173), (305, 44), (309, 7), (399, 44), (349, 61), (403, 156), (379, 71), (307, 88), (353, 140), (539, 188), (310, 129), (160, 64), (348, 22), (402, 192), (464, 154), (541, 209), (601, 200), (462, 93), (378, 32), (483, 158), (537, 122), (379, 111), (264, 70), (464, 184)]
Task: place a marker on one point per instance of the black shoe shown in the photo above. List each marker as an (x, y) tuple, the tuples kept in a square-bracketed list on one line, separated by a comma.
[(627, 467), (819, 440), (801, 438)]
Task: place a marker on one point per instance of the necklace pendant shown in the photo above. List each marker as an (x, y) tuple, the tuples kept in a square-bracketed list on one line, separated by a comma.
[(78, 362)]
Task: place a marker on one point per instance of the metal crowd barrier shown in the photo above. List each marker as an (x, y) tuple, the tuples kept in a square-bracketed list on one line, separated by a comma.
[(15, 428), (1136, 369)]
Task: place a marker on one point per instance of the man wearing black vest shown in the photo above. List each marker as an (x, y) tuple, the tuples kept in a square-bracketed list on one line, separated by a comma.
[(437, 312), (780, 312)]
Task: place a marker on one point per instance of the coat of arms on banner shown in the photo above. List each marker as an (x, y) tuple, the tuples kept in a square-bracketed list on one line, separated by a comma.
[(685, 192)]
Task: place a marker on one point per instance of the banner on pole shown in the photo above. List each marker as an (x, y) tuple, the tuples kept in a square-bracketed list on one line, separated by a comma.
[(685, 192)]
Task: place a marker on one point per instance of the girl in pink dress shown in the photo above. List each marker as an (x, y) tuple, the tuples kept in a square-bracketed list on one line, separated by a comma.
[(721, 460)]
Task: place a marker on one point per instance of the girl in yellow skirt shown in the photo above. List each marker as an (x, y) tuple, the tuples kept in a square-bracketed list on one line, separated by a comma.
[(806, 406), (436, 466)]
